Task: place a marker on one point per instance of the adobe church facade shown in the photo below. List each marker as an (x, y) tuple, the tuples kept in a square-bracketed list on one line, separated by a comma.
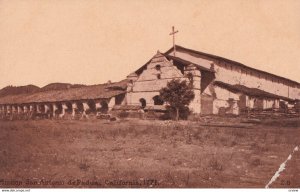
[(218, 83), (221, 86)]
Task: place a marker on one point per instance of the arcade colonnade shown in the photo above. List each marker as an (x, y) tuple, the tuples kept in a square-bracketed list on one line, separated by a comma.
[(56, 110)]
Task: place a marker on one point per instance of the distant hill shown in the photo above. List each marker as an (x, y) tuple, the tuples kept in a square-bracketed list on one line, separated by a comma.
[(60, 86), (16, 90), (13, 90)]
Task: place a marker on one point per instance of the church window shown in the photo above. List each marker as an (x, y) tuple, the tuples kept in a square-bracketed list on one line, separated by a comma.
[(158, 76), (157, 67)]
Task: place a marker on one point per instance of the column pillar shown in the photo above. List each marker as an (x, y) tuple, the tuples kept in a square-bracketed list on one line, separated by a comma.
[(54, 106), (64, 108), (74, 108), (111, 103), (47, 110), (85, 108), (19, 109), (8, 110), (194, 76)]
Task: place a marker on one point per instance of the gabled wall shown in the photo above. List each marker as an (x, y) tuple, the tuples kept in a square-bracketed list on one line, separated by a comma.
[(155, 76), (151, 80)]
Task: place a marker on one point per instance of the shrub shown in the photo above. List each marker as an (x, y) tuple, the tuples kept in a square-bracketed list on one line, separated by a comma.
[(178, 95)]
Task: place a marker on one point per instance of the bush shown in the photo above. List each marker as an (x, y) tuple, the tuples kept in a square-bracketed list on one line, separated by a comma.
[(178, 95)]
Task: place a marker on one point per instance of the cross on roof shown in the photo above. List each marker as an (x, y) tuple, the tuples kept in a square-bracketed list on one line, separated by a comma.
[(173, 33)]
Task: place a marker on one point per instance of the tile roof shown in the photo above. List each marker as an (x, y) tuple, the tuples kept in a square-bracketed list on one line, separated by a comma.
[(101, 91)]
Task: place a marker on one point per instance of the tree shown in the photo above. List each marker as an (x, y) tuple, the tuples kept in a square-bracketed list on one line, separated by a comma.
[(178, 95)]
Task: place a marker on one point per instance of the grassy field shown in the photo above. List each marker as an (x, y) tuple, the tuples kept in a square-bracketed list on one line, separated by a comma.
[(219, 152)]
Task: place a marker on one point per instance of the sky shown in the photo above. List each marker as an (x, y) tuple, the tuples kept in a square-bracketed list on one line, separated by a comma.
[(91, 42)]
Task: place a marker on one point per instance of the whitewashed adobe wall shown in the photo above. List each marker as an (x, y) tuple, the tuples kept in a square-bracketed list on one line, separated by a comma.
[(235, 75), (221, 100), (232, 74)]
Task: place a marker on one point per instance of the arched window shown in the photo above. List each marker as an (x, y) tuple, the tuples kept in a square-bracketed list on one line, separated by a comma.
[(143, 102), (157, 100)]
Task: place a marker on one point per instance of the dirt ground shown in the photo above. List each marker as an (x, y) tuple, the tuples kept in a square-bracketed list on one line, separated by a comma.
[(218, 152)]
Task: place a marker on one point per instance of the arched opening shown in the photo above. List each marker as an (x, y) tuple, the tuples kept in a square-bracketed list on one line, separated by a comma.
[(158, 100), (32, 107), (25, 107), (104, 107), (51, 109), (42, 108), (69, 105), (92, 105), (79, 106), (143, 102), (119, 99), (59, 108), (14, 107)]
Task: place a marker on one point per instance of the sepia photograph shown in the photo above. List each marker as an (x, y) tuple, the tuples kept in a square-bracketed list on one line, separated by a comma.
[(149, 94)]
